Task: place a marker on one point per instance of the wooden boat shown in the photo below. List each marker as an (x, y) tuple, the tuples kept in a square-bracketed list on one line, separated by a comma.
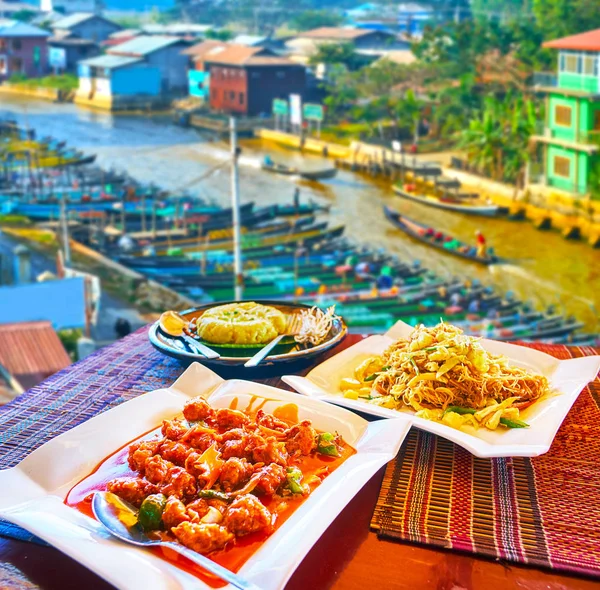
[(250, 241), (301, 209), (451, 204), (315, 175), (47, 159), (418, 232)]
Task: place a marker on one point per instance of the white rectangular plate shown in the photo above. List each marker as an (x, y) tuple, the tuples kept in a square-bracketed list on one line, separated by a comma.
[(567, 380), (33, 492)]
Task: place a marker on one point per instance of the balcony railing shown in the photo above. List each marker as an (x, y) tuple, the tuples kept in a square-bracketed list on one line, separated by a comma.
[(545, 79), (591, 137)]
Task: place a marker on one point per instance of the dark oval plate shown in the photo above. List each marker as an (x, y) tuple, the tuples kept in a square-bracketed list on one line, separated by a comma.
[(232, 355)]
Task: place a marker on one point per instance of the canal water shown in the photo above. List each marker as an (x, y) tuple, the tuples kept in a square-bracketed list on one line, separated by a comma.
[(542, 267)]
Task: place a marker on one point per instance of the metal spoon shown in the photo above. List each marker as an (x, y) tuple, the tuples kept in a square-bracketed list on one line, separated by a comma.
[(194, 345), (120, 519), (294, 323)]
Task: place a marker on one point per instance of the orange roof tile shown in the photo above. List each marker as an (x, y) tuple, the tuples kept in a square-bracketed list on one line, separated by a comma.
[(31, 351), (242, 55), (199, 50), (589, 41)]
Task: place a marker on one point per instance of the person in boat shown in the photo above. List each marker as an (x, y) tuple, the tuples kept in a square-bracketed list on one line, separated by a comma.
[(452, 244), (439, 236), (429, 232), (474, 306), (363, 270), (125, 243), (481, 247), (385, 280), (268, 161)]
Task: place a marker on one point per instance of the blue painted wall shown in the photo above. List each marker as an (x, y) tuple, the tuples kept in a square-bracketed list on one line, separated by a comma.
[(134, 80), (199, 83), (60, 302)]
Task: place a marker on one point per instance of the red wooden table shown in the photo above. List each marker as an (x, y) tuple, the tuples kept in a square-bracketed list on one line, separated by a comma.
[(348, 556)]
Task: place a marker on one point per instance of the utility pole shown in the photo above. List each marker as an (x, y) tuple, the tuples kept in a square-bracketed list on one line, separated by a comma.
[(65, 230), (235, 208)]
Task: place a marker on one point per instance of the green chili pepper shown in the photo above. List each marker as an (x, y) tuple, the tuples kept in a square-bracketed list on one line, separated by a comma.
[(151, 510), (386, 368), (370, 377), (214, 495), (327, 446), (459, 410), (294, 480), (366, 396), (513, 423)]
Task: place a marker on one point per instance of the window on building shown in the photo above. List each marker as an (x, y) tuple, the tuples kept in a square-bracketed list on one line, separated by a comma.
[(562, 166), (16, 44), (572, 63), (215, 93), (590, 67), (231, 95), (562, 116), (242, 98)]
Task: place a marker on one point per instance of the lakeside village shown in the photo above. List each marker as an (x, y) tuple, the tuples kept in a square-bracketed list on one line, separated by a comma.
[(473, 116)]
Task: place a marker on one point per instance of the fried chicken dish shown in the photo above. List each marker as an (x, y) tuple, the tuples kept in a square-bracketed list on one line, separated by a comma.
[(218, 475)]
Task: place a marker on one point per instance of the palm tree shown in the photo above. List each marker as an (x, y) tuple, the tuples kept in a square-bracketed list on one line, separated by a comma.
[(409, 110), (497, 141)]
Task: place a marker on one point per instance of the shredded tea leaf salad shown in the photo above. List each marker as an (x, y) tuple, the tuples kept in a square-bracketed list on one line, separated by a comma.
[(447, 376), (315, 325)]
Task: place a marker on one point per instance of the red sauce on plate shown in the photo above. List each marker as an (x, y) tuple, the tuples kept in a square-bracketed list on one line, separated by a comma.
[(238, 552)]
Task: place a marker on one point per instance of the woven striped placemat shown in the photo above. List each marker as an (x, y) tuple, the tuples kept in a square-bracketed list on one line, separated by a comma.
[(543, 511), (103, 380)]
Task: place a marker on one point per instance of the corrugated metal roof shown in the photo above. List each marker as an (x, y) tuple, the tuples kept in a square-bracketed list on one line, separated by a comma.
[(144, 45), (15, 28), (249, 40), (270, 60), (62, 303), (125, 33), (176, 29), (237, 55), (202, 49), (110, 62), (31, 351), (588, 41), (73, 20)]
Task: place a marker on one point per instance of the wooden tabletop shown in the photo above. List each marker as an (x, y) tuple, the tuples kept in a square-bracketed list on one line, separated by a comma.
[(348, 556)]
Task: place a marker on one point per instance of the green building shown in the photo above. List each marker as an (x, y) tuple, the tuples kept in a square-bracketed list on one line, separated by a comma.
[(568, 145)]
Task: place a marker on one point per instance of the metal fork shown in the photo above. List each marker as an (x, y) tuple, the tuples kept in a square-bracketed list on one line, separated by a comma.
[(294, 323)]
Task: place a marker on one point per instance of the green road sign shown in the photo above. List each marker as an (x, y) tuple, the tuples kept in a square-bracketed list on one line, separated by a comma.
[(280, 107), (313, 112)]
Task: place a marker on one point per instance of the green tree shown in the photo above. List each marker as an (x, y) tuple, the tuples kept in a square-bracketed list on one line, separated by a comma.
[(454, 106), (497, 141), (335, 53), (24, 15), (409, 112), (219, 35), (313, 19), (559, 18)]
